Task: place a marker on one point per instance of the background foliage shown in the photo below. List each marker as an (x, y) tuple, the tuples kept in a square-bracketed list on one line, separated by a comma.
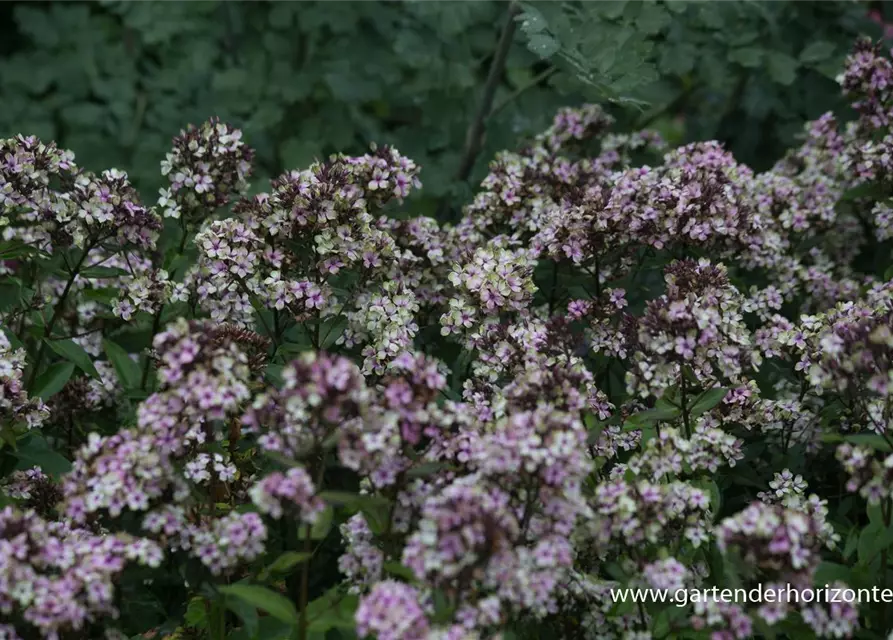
[(113, 81)]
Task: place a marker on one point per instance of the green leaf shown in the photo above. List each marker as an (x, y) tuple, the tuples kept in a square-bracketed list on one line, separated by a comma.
[(400, 570), (543, 45), (875, 514), (341, 616), (532, 21), (12, 249), (653, 18), (128, 371), (660, 626), (75, 353), (103, 272), (331, 330), (196, 614), (14, 341), (750, 57), (873, 539), (829, 572), (10, 295), (347, 499), (273, 374), (264, 599), (782, 67), (612, 9), (320, 529), (246, 613), (426, 469), (286, 562), (677, 7), (851, 543), (870, 440), (638, 420), (51, 381), (35, 451), (708, 400), (817, 51)]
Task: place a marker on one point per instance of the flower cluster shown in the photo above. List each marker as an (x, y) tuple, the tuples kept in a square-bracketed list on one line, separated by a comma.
[(698, 324), (496, 279), (157, 466), (320, 394), (292, 490), (34, 181), (61, 579), (636, 513), (16, 408), (207, 167), (774, 538)]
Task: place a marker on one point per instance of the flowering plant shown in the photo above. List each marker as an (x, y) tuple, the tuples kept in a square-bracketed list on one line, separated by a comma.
[(296, 413)]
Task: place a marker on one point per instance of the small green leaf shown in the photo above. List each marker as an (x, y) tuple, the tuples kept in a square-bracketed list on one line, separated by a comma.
[(817, 51), (75, 353), (750, 57), (51, 381), (196, 614), (872, 541), (246, 613), (426, 469), (264, 599), (128, 371), (273, 374), (341, 615), (653, 18), (14, 341), (10, 295), (708, 400), (400, 570), (532, 20), (870, 440), (35, 451), (286, 562), (639, 420), (331, 330), (8, 436), (543, 45), (677, 7), (613, 9), (12, 249), (782, 68), (320, 529), (103, 272), (828, 572), (342, 498)]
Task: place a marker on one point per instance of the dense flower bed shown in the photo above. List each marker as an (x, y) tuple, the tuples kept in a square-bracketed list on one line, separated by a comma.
[(626, 366)]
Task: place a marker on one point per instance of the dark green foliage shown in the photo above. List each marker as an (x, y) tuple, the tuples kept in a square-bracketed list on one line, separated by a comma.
[(114, 80)]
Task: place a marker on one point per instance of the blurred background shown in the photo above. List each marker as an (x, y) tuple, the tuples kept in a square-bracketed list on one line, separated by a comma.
[(114, 81)]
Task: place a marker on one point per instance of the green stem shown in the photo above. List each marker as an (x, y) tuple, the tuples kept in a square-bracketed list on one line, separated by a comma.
[(304, 595), (156, 324), (537, 79), (258, 309), (684, 404), (57, 313), (216, 620), (475, 134), (476, 130)]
